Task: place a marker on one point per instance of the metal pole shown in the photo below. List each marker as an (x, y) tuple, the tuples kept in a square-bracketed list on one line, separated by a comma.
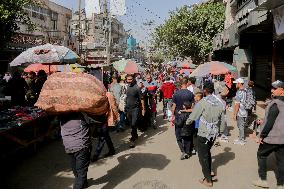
[(107, 24), (80, 42), (109, 40)]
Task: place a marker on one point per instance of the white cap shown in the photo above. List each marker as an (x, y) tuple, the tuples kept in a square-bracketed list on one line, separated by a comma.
[(239, 80)]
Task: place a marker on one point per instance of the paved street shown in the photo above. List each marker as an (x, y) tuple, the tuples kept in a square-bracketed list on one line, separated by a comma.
[(153, 164)]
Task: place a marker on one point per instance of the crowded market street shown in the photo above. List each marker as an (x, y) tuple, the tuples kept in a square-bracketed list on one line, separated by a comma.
[(141, 94), (153, 164)]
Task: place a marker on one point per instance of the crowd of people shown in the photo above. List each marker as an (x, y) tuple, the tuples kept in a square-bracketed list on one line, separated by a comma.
[(24, 89), (198, 108)]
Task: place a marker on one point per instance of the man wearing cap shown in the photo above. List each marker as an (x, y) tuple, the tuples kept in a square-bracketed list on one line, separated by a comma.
[(240, 112), (271, 137)]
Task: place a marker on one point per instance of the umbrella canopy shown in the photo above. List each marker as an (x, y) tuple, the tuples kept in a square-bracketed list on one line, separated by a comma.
[(131, 67), (120, 65), (37, 67), (46, 54), (214, 67), (76, 68), (127, 66)]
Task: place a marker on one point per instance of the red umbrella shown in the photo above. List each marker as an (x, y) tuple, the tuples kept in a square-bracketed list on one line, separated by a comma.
[(131, 67), (37, 67)]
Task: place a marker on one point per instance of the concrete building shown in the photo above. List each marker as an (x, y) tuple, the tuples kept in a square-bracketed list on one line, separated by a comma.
[(52, 25), (94, 40), (252, 40)]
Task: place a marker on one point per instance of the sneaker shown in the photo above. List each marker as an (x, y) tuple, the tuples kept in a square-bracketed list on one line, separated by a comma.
[(184, 156), (280, 187), (194, 152), (260, 183)]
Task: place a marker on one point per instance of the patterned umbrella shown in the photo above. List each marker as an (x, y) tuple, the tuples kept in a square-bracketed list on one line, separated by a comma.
[(214, 67), (46, 54)]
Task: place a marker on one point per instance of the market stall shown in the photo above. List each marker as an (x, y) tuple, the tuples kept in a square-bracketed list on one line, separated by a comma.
[(21, 127)]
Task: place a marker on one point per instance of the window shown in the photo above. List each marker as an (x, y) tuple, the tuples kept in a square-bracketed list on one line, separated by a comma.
[(54, 24)]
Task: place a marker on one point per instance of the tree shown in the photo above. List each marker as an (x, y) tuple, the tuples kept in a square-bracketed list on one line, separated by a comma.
[(189, 31), (12, 13)]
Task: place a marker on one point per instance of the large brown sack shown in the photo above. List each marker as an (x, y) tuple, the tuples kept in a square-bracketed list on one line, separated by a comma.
[(75, 92)]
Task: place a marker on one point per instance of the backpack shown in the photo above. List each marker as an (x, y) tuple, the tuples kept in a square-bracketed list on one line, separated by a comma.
[(249, 101)]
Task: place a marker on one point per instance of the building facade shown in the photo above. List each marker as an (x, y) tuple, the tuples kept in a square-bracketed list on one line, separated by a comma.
[(52, 25), (94, 39), (250, 42)]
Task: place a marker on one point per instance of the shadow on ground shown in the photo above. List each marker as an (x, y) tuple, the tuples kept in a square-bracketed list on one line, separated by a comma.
[(128, 166), (44, 169), (222, 159)]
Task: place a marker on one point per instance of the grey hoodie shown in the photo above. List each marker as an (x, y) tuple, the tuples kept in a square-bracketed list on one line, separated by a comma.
[(210, 109)]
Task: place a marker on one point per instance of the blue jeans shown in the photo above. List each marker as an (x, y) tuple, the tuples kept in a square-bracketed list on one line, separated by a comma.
[(121, 122), (241, 122)]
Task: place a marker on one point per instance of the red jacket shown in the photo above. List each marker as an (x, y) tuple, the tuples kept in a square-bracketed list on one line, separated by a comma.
[(168, 88)]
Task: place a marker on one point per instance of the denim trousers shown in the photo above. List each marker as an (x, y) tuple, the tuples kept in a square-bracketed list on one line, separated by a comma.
[(263, 152), (79, 163), (241, 122)]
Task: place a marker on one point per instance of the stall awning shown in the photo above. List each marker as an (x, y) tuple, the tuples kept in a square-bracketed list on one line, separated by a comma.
[(268, 5)]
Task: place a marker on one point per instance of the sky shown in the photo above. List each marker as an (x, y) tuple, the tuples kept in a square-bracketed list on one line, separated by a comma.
[(139, 12)]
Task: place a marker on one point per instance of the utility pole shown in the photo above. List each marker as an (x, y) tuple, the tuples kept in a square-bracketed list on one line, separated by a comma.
[(107, 25), (80, 40)]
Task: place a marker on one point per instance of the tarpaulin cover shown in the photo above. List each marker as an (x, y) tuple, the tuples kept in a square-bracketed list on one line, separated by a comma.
[(77, 92)]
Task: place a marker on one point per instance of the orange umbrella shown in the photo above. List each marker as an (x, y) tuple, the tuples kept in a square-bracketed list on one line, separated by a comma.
[(37, 67)]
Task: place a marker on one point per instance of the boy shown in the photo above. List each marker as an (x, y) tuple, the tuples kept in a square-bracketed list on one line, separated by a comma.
[(184, 133)]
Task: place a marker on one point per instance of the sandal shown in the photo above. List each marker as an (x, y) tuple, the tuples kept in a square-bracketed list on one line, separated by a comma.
[(214, 178), (205, 182)]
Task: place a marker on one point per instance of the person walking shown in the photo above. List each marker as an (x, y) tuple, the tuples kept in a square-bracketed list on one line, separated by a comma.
[(181, 97), (167, 91), (240, 112), (76, 137), (210, 111), (271, 137), (133, 102), (116, 90), (152, 88)]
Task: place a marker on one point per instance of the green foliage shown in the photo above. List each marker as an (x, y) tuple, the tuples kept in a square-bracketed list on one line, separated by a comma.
[(11, 13), (189, 32)]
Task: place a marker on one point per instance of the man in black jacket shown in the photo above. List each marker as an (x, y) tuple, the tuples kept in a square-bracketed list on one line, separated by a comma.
[(272, 137)]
